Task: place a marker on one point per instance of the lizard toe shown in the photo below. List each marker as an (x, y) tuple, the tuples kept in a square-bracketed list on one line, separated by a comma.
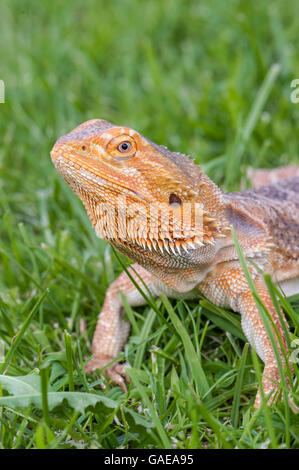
[(115, 372), (94, 364), (121, 370), (116, 378)]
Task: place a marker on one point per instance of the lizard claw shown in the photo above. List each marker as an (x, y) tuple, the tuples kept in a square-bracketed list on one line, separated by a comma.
[(116, 372)]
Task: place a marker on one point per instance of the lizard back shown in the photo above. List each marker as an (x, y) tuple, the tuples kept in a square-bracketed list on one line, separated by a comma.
[(277, 208)]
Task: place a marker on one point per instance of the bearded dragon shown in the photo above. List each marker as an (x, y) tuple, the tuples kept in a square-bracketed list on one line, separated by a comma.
[(159, 209)]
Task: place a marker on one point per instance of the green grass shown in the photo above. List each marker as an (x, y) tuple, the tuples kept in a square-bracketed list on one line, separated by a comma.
[(200, 78)]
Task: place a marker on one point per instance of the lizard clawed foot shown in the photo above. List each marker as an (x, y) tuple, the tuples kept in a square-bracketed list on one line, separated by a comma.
[(116, 371)]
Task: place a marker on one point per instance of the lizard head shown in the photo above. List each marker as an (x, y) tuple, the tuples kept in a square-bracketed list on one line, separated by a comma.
[(139, 196)]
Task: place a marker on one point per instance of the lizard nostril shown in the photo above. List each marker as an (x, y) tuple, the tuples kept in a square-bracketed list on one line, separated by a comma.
[(83, 147), (174, 200)]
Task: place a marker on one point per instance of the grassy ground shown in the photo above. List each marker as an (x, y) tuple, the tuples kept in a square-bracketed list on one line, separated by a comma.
[(199, 78)]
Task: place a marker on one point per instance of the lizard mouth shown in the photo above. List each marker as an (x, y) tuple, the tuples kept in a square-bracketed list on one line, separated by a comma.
[(72, 172)]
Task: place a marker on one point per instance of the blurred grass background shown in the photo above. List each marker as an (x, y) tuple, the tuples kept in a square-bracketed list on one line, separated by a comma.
[(186, 74)]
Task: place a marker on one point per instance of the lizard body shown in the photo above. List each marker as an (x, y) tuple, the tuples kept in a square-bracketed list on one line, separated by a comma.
[(159, 209)]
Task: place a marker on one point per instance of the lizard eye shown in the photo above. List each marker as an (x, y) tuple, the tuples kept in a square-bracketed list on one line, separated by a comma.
[(121, 147), (124, 147)]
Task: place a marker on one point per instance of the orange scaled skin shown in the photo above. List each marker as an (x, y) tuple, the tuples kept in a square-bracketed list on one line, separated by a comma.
[(119, 169)]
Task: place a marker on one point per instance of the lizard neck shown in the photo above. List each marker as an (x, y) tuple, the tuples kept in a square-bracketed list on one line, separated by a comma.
[(213, 199)]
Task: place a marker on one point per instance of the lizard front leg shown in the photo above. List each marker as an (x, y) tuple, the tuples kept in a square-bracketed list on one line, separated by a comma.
[(112, 331), (227, 286), (255, 331)]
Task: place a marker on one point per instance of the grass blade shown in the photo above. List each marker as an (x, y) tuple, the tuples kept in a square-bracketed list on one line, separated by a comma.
[(238, 388), (69, 359), (194, 362), (244, 134), (21, 333), (160, 429)]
